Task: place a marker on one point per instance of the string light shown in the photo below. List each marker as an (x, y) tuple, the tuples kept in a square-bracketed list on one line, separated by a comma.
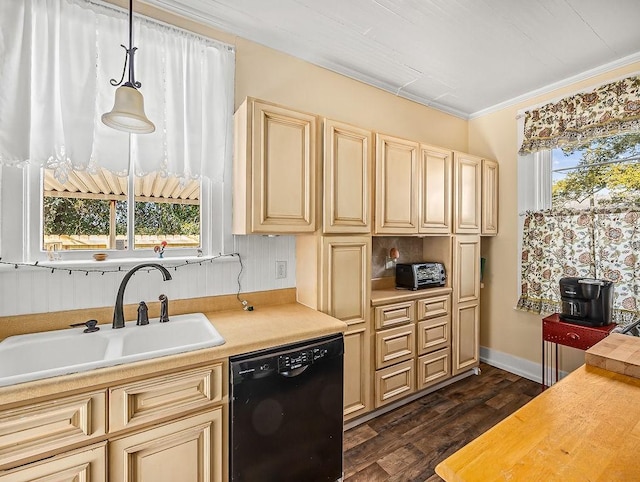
[(119, 269), (245, 304)]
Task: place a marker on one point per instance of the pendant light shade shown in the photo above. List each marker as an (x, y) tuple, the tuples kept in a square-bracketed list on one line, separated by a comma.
[(128, 112), (128, 109)]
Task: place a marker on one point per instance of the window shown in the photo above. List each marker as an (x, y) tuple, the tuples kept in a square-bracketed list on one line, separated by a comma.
[(90, 212), (587, 224), (603, 173), (52, 126)]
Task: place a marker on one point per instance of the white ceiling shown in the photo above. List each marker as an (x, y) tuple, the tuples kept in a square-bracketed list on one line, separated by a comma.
[(460, 56)]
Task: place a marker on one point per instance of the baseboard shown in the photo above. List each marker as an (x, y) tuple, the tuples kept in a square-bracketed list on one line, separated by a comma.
[(516, 365)]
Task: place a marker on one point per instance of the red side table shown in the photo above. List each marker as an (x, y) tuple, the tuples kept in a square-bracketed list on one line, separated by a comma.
[(554, 330)]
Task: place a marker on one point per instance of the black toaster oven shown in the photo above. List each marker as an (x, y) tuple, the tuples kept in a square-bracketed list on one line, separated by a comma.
[(415, 276)]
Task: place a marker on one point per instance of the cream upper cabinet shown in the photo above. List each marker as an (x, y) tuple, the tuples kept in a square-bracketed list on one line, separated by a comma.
[(347, 163), (274, 171), (467, 185), (333, 275), (396, 186), (435, 190), (466, 303), (489, 197)]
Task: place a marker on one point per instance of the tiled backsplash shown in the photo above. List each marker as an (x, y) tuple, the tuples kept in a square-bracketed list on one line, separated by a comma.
[(410, 249)]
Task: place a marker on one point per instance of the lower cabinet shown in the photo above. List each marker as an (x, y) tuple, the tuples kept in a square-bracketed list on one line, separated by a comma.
[(466, 303), (357, 387), (165, 428), (412, 344), (188, 450)]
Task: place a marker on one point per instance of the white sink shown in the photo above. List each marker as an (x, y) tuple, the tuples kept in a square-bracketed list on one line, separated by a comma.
[(34, 356)]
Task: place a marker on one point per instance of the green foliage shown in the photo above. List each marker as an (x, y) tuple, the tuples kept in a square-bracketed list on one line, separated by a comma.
[(163, 218), (620, 182), (69, 216)]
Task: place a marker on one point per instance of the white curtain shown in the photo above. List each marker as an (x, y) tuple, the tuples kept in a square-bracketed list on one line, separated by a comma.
[(56, 60)]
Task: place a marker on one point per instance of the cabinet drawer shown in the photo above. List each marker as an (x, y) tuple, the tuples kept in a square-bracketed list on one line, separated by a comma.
[(394, 345), (575, 336), (434, 334), (394, 382), (43, 428), (433, 307), (396, 314), (86, 464), (166, 396), (433, 368)]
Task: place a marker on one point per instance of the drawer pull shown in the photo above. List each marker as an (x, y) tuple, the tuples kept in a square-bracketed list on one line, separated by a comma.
[(573, 336)]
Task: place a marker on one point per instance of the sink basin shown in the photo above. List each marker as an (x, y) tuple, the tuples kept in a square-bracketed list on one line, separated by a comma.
[(41, 355)]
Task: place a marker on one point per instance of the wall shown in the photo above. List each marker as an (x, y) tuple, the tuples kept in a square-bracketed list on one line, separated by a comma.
[(273, 76), (504, 329)]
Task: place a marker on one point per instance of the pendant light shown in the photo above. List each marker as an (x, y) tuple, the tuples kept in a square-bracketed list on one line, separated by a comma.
[(128, 109)]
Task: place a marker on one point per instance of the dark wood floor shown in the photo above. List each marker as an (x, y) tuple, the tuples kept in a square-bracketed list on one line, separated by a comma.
[(407, 443)]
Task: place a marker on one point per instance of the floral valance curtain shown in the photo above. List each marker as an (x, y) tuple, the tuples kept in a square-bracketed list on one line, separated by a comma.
[(610, 109), (598, 243), (56, 60)]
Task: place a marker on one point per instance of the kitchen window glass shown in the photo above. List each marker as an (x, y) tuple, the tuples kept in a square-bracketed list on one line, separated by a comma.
[(90, 211)]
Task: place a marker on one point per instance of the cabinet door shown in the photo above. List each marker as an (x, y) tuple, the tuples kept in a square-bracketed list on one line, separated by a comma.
[(357, 374), (466, 303), (466, 269), (467, 179), (466, 337), (274, 170), (189, 450), (489, 197), (347, 179), (435, 191), (396, 186), (346, 278), (346, 287), (86, 464)]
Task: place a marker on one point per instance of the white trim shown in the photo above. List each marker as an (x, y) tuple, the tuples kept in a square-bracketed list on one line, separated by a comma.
[(624, 61), (513, 364)]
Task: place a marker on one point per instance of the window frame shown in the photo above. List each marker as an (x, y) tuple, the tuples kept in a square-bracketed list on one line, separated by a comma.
[(212, 232), (534, 193)]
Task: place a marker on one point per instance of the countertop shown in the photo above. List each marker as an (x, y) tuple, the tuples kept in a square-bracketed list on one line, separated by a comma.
[(243, 331), (585, 427)]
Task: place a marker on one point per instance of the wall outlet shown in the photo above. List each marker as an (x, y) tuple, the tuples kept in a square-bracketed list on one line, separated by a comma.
[(281, 269)]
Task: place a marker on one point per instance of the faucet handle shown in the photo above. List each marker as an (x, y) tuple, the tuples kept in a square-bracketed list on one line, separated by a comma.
[(164, 308), (143, 314), (91, 326)]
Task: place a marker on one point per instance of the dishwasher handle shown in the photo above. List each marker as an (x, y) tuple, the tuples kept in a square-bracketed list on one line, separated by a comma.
[(294, 372)]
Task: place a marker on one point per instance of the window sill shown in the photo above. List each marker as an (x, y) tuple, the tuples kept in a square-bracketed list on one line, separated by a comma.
[(118, 264)]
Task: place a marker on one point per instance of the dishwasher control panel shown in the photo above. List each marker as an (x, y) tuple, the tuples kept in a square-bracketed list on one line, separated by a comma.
[(298, 359)]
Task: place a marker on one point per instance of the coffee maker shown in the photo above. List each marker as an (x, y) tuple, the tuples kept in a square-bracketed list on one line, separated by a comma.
[(586, 301)]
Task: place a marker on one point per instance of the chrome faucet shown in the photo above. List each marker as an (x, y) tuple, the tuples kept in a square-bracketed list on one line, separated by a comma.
[(118, 312)]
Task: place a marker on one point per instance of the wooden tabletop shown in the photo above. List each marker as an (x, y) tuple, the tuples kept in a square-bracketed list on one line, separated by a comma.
[(584, 428)]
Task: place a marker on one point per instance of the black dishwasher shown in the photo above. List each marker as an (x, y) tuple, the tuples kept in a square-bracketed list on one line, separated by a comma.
[(286, 413)]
